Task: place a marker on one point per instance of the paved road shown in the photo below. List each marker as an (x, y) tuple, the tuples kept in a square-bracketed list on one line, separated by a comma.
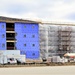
[(51, 70)]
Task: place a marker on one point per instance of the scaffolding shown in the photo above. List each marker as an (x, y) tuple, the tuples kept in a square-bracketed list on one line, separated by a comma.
[(43, 41), (48, 40), (56, 40), (52, 40), (64, 40)]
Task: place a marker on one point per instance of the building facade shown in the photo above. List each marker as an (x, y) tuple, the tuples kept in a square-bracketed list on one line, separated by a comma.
[(37, 40), (56, 40), (20, 36)]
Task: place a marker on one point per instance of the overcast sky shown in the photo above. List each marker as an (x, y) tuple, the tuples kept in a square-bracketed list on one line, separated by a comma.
[(49, 10)]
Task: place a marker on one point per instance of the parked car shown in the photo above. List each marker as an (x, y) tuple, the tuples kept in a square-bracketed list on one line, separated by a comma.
[(11, 61)]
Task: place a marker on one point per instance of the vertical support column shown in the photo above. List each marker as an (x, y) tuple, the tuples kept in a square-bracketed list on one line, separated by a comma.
[(47, 41)]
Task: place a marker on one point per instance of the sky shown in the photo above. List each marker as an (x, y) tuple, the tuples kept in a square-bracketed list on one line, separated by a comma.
[(40, 10)]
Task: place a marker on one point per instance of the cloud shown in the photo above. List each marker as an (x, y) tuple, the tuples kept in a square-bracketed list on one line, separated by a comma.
[(47, 10)]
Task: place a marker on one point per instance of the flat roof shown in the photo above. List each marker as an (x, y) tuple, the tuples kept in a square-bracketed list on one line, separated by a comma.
[(13, 20), (59, 23)]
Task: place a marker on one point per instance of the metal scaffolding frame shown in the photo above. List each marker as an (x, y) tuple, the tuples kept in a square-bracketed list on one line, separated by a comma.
[(64, 40), (56, 40)]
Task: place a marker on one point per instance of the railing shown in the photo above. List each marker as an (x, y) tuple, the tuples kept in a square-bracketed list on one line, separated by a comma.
[(10, 38), (10, 48), (9, 29)]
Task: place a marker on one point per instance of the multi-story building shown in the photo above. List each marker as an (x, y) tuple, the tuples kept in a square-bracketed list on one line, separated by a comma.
[(36, 39), (17, 34)]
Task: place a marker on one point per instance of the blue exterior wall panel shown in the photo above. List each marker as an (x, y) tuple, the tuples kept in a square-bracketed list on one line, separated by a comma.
[(26, 43), (32, 54), (2, 27), (24, 37), (30, 28), (2, 36)]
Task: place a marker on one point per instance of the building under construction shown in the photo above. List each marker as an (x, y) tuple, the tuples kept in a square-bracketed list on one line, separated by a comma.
[(56, 39), (36, 39)]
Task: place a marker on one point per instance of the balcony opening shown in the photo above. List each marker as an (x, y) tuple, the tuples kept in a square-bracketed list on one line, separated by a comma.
[(10, 36), (10, 26), (10, 45)]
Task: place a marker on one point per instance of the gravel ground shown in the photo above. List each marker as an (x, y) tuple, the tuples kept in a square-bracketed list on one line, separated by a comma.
[(47, 70)]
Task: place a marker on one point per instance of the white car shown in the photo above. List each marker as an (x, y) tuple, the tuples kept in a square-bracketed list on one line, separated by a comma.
[(12, 61)]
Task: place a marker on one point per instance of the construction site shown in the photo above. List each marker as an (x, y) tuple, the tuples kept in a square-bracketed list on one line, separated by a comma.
[(36, 42), (57, 40)]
